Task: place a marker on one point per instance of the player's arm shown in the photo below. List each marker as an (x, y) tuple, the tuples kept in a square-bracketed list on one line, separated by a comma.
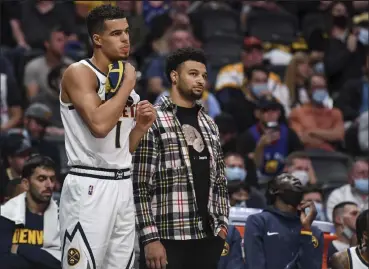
[(340, 260), (79, 87)]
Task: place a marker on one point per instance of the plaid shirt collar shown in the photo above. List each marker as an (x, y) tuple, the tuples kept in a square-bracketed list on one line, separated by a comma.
[(166, 104)]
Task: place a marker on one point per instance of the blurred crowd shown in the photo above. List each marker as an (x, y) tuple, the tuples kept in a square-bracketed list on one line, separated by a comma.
[(288, 87)]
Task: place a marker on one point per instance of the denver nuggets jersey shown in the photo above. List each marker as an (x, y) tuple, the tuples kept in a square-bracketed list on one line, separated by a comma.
[(356, 260), (82, 148)]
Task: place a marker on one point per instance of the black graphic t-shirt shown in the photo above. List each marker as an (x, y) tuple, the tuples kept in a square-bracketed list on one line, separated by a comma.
[(199, 157), (32, 233)]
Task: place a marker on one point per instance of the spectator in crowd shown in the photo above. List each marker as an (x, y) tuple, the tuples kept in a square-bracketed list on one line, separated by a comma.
[(241, 193), (10, 97), (36, 71), (344, 55), (314, 194), (355, 191), (227, 132), (270, 140), (317, 124), (231, 257), (231, 79), (243, 108), (36, 120), (51, 99), (361, 23), (44, 16), (299, 165), (282, 236), (16, 149), (298, 70), (316, 44), (14, 187), (354, 96), (363, 133), (155, 73), (344, 219), (29, 222)]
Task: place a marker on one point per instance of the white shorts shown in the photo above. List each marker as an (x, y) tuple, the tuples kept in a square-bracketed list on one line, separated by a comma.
[(97, 219)]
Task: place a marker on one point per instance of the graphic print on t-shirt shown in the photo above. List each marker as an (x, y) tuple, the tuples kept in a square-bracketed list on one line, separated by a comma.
[(193, 138)]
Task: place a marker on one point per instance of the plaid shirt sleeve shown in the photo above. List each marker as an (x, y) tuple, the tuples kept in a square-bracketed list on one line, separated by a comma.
[(144, 161), (220, 192)]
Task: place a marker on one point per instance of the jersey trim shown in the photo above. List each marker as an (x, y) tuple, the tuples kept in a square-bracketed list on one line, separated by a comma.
[(361, 257), (349, 258), (94, 67)]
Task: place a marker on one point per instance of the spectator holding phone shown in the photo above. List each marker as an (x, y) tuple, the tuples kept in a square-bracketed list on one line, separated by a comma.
[(269, 140), (282, 236)]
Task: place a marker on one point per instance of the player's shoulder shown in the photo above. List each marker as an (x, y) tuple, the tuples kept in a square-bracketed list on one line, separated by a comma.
[(340, 260), (78, 70)]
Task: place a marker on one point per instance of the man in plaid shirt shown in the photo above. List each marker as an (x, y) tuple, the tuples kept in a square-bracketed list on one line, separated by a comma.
[(180, 190)]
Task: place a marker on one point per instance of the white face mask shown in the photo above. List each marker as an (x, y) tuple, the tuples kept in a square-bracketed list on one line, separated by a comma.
[(302, 175)]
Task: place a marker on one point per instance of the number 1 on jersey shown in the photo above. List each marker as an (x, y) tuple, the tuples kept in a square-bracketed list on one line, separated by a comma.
[(117, 135)]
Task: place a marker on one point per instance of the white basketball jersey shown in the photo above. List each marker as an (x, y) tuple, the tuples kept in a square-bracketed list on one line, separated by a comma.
[(356, 261), (82, 148)]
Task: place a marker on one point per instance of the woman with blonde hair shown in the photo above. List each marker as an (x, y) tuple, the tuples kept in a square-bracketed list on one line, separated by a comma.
[(298, 70)]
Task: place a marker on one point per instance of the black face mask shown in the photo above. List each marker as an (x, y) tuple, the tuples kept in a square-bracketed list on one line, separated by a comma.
[(290, 197), (340, 21)]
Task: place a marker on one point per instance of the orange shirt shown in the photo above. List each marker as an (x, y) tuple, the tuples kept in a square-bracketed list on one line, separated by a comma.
[(307, 118)]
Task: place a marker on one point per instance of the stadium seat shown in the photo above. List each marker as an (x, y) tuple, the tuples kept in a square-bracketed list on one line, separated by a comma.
[(272, 27), (330, 166), (313, 21)]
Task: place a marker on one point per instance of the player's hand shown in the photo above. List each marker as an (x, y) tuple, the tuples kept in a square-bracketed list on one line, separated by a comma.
[(129, 76), (145, 115), (307, 220), (14, 249), (222, 235), (155, 255)]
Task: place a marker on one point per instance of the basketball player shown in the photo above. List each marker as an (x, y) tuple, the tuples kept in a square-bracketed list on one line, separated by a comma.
[(96, 208), (355, 257)]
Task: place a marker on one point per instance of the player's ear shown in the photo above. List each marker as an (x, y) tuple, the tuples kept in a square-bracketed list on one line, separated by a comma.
[(96, 39), (174, 77), (25, 184)]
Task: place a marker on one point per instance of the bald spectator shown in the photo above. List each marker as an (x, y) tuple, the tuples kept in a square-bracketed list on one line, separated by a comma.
[(318, 125), (355, 191)]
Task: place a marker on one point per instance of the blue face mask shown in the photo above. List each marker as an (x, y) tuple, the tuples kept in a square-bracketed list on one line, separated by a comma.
[(319, 68), (259, 89), (364, 36), (362, 185), (235, 173), (319, 95), (240, 204)]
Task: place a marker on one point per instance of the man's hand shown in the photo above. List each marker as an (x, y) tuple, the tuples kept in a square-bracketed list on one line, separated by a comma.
[(268, 138), (129, 76), (222, 235), (145, 115), (307, 220), (155, 255), (352, 43), (14, 249)]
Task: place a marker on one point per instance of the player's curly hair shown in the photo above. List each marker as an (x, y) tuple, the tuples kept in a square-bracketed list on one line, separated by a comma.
[(176, 58), (97, 16), (362, 223)]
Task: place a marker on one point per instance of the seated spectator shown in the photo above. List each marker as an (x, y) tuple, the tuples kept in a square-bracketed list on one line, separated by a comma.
[(36, 71), (16, 149), (361, 23), (243, 108), (355, 191), (29, 222), (299, 165), (354, 96), (282, 236), (318, 125), (231, 79), (154, 73), (227, 132), (44, 16), (51, 99), (270, 140), (36, 120), (314, 194), (241, 194), (14, 188), (297, 72), (344, 55), (344, 219), (231, 257), (10, 102)]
